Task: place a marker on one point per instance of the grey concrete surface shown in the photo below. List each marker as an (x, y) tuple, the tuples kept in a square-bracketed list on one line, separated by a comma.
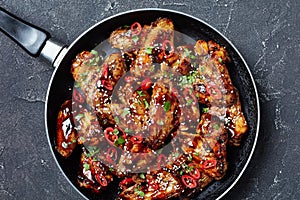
[(265, 31)]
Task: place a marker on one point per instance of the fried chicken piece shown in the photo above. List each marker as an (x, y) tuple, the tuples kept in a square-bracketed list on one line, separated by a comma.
[(161, 185), (214, 137), (139, 106), (213, 86), (93, 175), (126, 39), (236, 123), (164, 110), (141, 66), (66, 134), (159, 31), (201, 47), (88, 128), (234, 120), (182, 59), (136, 158), (97, 82)]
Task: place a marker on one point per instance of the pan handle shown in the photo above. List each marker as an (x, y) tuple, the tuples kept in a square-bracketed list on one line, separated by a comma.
[(35, 41)]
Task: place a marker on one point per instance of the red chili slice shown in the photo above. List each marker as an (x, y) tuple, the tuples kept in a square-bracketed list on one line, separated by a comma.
[(168, 48), (107, 84), (214, 91), (126, 182), (209, 164), (195, 172), (101, 179), (137, 139), (152, 185), (109, 129), (105, 71), (146, 84), (188, 181), (174, 92), (110, 137), (136, 28), (112, 155), (78, 97)]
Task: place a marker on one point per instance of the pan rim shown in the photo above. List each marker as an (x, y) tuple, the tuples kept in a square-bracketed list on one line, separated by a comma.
[(60, 58)]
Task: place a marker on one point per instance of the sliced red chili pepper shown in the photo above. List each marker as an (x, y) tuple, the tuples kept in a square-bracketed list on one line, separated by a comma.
[(136, 28), (174, 92), (110, 137), (126, 182), (214, 91), (101, 179), (109, 129), (152, 185), (105, 71), (78, 97), (137, 139), (168, 48), (189, 181), (107, 84), (112, 155), (146, 84), (194, 173), (161, 161), (209, 164)]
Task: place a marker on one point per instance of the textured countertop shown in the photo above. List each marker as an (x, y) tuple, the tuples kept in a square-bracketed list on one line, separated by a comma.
[(265, 31)]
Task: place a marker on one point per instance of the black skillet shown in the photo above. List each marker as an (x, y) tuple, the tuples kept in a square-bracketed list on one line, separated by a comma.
[(38, 42)]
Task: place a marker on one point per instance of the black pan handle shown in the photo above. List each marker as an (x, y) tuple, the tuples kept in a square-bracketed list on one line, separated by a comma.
[(29, 37), (34, 40)]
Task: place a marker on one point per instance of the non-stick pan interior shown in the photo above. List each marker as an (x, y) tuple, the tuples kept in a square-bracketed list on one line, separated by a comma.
[(62, 84)]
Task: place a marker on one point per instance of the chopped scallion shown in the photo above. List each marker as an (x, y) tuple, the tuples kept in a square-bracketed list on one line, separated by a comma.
[(111, 169), (148, 50), (221, 60), (139, 192), (146, 103), (140, 93), (142, 176), (160, 122), (94, 52), (79, 116), (126, 111), (77, 84), (135, 38), (216, 126), (190, 158), (127, 130), (117, 119), (116, 131), (119, 141), (189, 102), (205, 110), (167, 106), (86, 166)]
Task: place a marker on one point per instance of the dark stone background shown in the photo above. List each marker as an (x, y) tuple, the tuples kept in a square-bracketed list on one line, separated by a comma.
[(265, 31)]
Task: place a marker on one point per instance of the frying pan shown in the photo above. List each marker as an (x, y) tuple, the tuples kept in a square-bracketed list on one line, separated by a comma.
[(38, 42)]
